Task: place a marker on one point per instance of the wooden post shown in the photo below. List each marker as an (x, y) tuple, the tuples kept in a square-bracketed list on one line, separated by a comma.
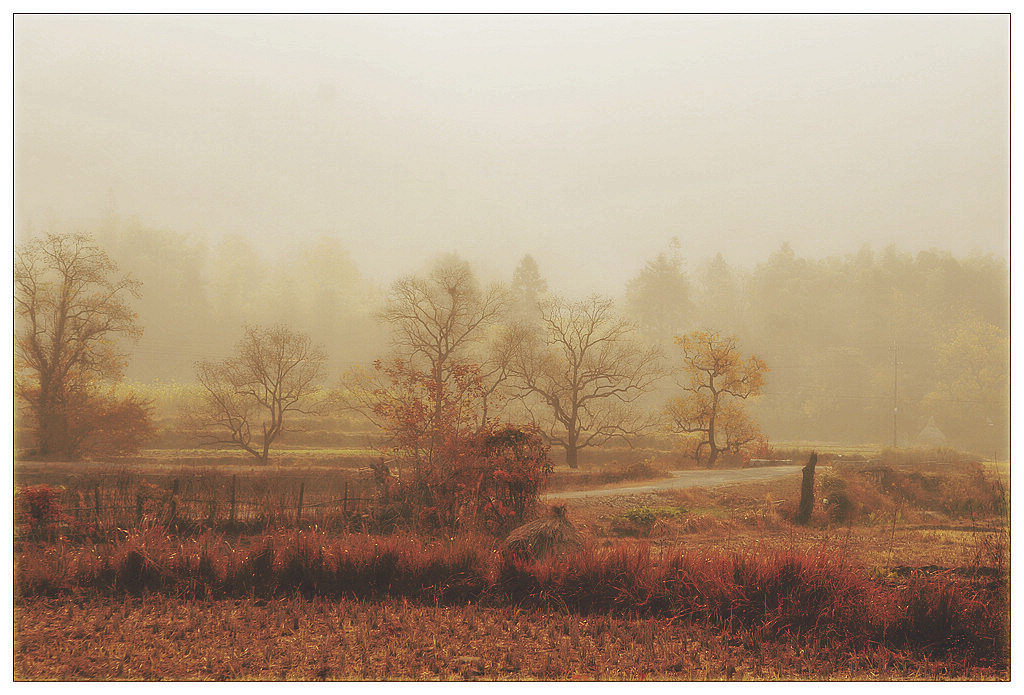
[(807, 491), (96, 497), (233, 479), (298, 513), (344, 502), (139, 500)]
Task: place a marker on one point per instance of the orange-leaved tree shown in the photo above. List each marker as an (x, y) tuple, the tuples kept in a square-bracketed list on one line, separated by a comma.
[(442, 469), (715, 378)]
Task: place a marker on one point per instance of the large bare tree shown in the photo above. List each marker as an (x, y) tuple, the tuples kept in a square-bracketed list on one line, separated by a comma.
[(586, 368), (436, 318), (72, 309), (439, 319), (245, 398)]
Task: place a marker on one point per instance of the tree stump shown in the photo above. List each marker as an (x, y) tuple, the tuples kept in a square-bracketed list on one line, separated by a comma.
[(807, 491)]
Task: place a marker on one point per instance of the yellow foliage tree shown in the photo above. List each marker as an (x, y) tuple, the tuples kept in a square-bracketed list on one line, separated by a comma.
[(715, 378)]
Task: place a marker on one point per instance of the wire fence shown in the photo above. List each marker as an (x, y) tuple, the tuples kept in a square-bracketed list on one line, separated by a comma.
[(127, 500)]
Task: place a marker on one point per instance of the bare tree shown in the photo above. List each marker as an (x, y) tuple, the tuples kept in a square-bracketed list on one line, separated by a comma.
[(245, 398), (498, 365), (716, 378), (71, 309), (438, 317), (586, 367)]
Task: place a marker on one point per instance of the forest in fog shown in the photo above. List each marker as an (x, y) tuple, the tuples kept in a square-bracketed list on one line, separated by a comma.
[(809, 189), (846, 339)]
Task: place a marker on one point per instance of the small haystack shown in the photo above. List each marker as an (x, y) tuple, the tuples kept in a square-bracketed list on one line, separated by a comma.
[(553, 534)]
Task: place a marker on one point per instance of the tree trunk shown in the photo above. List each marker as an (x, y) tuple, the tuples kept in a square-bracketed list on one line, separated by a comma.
[(52, 433), (571, 455), (807, 491), (572, 438), (713, 455)]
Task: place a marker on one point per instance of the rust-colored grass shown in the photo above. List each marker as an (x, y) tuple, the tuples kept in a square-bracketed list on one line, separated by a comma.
[(775, 594)]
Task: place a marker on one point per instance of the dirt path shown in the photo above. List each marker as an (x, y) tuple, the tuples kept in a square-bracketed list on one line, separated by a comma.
[(685, 479)]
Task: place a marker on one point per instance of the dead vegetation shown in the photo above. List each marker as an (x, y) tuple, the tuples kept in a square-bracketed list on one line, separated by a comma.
[(719, 585), (775, 594), (291, 638), (550, 535)]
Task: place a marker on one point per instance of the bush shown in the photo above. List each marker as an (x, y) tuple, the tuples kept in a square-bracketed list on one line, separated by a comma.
[(638, 521), (39, 506), (957, 493), (492, 485), (110, 423), (460, 474), (762, 448), (836, 498)]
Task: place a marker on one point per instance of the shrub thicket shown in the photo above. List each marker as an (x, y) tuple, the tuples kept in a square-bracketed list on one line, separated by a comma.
[(456, 472)]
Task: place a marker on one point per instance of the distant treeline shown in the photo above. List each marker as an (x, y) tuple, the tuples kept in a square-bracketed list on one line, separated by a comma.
[(847, 339)]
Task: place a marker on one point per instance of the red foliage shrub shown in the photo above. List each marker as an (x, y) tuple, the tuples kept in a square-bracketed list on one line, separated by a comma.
[(117, 426), (455, 471), (39, 506), (95, 423), (761, 449)]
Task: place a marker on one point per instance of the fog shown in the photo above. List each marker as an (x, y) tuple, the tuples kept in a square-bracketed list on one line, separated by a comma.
[(589, 140), (823, 187)]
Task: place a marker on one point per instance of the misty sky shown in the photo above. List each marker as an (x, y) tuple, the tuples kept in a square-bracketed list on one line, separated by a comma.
[(588, 141)]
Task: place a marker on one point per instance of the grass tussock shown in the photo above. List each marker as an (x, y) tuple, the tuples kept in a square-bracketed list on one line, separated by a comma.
[(283, 562), (550, 535)]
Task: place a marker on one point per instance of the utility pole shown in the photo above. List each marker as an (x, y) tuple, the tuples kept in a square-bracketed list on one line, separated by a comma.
[(895, 388)]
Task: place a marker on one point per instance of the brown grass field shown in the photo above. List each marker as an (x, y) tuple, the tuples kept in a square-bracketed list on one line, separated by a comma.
[(164, 638), (903, 575)]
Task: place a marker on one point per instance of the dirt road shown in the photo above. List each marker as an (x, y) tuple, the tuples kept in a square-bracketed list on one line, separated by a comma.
[(684, 479)]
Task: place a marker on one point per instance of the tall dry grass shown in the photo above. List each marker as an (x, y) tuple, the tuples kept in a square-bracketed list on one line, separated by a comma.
[(772, 593)]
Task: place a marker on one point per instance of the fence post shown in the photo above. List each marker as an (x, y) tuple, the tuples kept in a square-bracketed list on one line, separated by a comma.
[(344, 502), (138, 507), (233, 498), (96, 497), (298, 513)]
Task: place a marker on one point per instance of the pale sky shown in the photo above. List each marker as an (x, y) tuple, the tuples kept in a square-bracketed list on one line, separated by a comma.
[(588, 141)]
